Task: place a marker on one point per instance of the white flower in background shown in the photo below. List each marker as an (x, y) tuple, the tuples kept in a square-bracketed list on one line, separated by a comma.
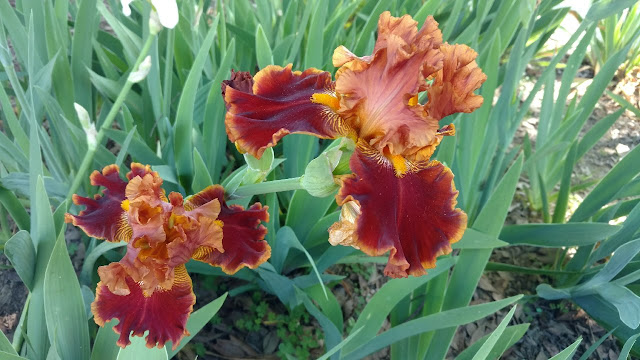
[(125, 7), (166, 11)]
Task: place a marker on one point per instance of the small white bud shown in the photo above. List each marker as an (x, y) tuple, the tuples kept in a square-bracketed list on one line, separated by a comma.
[(88, 127), (154, 23), (143, 70)]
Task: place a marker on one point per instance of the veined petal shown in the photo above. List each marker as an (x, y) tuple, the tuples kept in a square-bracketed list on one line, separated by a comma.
[(279, 104), (164, 314), (453, 87), (243, 235), (103, 217), (413, 216)]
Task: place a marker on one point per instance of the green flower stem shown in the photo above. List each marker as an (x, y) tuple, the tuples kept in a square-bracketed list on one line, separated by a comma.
[(269, 187), (88, 158)]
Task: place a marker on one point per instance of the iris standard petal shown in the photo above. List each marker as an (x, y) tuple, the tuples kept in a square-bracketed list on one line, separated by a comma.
[(379, 93)]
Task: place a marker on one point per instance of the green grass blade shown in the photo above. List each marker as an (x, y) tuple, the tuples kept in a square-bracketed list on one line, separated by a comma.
[(337, 348), (64, 306), (5, 345), (369, 28), (86, 23), (565, 186), (16, 29), (264, 55), (471, 262), (183, 143), (485, 349), (215, 137), (557, 235), (44, 239), (628, 345), (381, 304), (596, 133), (139, 350), (124, 149), (196, 322), (595, 345), (510, 336), (20, 251), (568, 352), (328, 303), (623, 172), (90, 260), (104, 345), (473, 239), (623, 102), (15, 209), (313, 53), (201, 178), (433, 322)]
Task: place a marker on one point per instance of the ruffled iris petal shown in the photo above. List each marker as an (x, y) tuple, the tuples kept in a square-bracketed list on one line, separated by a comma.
[(243, 235), (164, 314), (453, 86), (378, 93), (278, 104), (414, 216), (103, 216)]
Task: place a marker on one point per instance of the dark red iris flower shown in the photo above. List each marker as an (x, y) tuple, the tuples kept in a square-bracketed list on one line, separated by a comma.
[(397, 199), (150, 289)]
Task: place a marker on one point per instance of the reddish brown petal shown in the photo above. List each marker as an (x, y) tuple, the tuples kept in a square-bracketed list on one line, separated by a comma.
[(243, 235), (103, 217), (279, 104), (414, 216), (164, 314), (240, 80), (138, 169), (453, 87)]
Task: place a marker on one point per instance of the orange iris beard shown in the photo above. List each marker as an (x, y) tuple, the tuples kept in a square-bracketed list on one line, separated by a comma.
[(397, 199), (149, 289)]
